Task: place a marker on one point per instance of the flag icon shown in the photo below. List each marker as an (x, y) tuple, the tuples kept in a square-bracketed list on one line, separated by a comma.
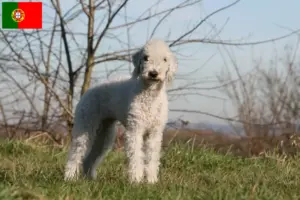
[(22, 15)]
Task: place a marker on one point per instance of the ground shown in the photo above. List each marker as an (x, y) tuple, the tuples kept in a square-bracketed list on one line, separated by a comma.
[(29, 171)]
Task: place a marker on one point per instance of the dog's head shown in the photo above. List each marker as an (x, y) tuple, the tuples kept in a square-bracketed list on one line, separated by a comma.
[(155, 63)]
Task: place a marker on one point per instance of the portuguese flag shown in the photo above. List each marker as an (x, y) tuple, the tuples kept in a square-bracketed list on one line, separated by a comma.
[(21, 15)]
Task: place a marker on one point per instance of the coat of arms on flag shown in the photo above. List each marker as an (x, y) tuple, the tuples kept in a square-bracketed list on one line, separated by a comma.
[(18, 15)]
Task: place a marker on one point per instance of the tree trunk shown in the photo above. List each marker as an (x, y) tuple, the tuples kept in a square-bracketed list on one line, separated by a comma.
[(69, 118), (90, 59), (46, 106), (88, 74)]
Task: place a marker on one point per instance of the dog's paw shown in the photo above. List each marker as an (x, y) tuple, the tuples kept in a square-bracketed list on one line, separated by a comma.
[(152, 179)]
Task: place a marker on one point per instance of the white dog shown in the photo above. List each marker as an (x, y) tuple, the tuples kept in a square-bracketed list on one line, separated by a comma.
[(139, 103)]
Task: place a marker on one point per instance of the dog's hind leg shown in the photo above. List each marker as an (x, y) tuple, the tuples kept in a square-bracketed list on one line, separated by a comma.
[(104, 140), (82, 140)]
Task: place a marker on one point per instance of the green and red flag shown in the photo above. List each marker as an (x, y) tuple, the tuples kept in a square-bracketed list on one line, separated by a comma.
[(22, 15)]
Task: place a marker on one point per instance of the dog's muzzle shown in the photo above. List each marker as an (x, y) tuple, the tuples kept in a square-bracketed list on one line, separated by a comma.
[(153, 76)]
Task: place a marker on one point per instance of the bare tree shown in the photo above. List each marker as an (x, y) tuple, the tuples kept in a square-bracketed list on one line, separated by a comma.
[(266, 99)]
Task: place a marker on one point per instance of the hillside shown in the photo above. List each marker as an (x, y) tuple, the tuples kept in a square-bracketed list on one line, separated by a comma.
[(32, 172)]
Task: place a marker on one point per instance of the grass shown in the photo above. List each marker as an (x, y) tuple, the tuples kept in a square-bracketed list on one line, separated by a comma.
[(32, 172)]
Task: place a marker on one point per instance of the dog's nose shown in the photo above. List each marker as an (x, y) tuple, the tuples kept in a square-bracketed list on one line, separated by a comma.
[(153, 74)]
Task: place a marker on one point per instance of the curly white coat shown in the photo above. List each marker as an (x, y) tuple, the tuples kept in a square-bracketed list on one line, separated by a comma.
[(140, 103)]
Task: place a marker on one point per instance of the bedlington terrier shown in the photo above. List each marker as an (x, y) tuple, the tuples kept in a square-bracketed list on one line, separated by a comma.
[(140, 103)]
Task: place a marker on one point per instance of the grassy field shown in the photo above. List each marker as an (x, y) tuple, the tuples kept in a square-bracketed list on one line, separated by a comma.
[(35, 172)]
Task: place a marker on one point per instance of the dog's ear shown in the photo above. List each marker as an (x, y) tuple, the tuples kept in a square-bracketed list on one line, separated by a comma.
[(172, 68), (136, 60)]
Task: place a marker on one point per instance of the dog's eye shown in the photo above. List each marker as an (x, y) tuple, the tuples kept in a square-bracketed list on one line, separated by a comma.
[(146, 58), (165, 59)]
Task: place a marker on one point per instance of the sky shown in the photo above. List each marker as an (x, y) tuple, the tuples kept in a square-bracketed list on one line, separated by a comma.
[(248, 21)]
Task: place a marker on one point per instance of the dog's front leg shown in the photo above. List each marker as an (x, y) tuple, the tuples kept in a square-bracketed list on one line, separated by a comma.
[(152, 154), (135, 155)]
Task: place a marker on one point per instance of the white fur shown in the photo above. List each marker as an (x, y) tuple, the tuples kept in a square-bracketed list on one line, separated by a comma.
[(139, 103)]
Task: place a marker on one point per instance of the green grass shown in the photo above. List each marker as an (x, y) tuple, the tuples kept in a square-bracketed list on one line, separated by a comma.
[(32, 172)]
